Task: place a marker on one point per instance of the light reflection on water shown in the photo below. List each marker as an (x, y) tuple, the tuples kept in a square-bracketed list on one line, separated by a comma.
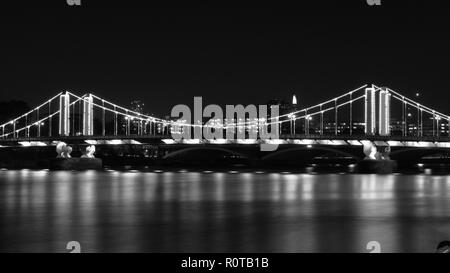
[(40, 211)]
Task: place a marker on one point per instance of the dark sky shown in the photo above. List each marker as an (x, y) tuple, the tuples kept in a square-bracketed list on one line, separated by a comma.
[(229, 55)]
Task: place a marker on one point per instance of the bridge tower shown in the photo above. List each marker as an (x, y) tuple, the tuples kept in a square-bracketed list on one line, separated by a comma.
[(88, 115), (370, 111), (64, 114), (384, 113)]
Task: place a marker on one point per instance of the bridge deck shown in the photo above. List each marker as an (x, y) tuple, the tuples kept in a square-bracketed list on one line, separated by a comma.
[(159, 138)]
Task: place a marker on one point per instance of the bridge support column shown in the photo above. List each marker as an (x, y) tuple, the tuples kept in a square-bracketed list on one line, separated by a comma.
[(88, 116), (370, 113), (64, 114), (377, 159), (384, 113)]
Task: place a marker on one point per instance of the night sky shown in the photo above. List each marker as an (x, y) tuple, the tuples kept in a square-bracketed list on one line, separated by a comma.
[(229, 55)]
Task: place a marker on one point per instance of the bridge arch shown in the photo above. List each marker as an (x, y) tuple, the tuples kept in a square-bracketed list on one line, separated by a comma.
[(415, 154), (196, 149), (314, 150)]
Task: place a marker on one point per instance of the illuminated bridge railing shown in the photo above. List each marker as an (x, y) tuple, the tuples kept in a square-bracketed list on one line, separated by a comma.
[(69, 116), (298, 139)]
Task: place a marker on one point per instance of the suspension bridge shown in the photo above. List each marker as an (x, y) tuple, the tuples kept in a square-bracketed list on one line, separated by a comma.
[(368, 116)]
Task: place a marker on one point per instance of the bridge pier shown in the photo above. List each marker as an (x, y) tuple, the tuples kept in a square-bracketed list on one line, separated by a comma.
[(377, 159), (376, 166)]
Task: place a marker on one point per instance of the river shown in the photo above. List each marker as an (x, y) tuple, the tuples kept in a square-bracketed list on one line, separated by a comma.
[(172, 211)]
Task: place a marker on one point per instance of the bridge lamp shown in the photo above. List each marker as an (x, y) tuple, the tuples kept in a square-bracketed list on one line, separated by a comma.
[(417, 94), (42, 123)]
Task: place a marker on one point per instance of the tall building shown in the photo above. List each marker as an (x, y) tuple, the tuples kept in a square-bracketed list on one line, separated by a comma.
[(137, 106), (131, 125)]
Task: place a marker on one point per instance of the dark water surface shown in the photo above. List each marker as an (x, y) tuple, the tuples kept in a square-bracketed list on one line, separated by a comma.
[(40, 211)]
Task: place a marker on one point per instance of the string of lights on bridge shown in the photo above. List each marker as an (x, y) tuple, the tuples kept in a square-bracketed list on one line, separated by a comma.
[(130, 114), (37, 123), (305, 113)]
